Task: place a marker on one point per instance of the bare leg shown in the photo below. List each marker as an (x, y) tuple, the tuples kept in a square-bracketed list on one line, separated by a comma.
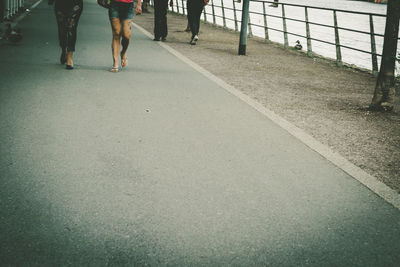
[(126, 35), (116, 30), (69, 58)]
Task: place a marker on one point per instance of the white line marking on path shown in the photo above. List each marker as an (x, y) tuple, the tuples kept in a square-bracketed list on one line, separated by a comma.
[(36, 4), (363, 177)]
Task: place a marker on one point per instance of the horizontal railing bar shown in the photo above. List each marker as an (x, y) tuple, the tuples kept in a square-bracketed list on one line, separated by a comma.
[(325, 8), (357, 31), (318, 40), (359, 50), (278, 30), (218, 16), (319, 24), (229, 8)]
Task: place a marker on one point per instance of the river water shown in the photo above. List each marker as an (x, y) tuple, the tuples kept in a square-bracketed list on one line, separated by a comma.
[(346, 20)]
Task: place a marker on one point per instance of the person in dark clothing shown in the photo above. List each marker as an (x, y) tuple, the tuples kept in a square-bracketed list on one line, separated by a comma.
[(275, 4), (145, 5), (67, 13), (194, 9), (160, 19)]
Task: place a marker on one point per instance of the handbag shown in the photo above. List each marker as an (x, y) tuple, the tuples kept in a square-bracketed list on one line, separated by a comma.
[(104, 3)]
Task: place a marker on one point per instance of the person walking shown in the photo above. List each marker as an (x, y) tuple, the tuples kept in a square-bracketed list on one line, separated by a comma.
[(187, 27), (67, 13), (275, 4), (160, 19), (120, 13), (194, 9), (145, 6)]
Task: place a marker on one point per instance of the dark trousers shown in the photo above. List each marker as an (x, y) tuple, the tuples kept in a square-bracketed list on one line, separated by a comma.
[(194, 9), (160, 18), (68, 13)]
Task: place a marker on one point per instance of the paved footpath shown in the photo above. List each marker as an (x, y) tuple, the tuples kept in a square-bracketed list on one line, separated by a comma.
[(158, 165)]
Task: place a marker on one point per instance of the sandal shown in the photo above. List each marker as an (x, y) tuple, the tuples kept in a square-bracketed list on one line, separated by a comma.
[(68, 66), (114, 69), (124, 61)]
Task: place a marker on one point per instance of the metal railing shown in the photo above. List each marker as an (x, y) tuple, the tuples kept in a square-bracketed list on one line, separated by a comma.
[(9, 8), (216, 13), (335, 27)]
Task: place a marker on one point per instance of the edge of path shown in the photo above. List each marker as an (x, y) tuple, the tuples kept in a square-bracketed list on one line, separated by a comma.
[(363, 177)]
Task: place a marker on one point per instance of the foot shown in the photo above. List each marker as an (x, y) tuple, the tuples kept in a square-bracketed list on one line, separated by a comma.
[(69, 67), (156, 39), (63, 57), (163, 39), (124, 60), (69, 60), (114, 69), (194, 40)]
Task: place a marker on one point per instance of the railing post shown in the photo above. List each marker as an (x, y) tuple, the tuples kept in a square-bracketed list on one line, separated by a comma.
[(285, 35), (337, 40), (249, 23), (183, 8), (205, 14), (13, 7), (243, 27), (373, 46), (2, 10), (223, 14), (234, 15), (309, 48), (177, 7), (213, 11), (265, 23), (7, 9)]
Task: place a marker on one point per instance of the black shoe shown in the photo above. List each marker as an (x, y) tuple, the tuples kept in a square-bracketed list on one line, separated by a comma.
[(156, 39), (69, 67), (163, 39)]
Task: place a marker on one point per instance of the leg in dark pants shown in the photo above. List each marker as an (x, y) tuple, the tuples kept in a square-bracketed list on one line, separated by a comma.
[(68, 14), (194, 7), (160, 19)]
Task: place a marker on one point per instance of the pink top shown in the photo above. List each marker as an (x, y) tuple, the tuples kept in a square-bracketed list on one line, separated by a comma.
[(124, 1)]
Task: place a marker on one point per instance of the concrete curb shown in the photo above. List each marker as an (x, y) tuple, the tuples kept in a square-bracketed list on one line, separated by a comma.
[(379, 188)]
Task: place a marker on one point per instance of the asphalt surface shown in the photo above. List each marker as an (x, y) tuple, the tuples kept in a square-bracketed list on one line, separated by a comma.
[(158, 165)]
